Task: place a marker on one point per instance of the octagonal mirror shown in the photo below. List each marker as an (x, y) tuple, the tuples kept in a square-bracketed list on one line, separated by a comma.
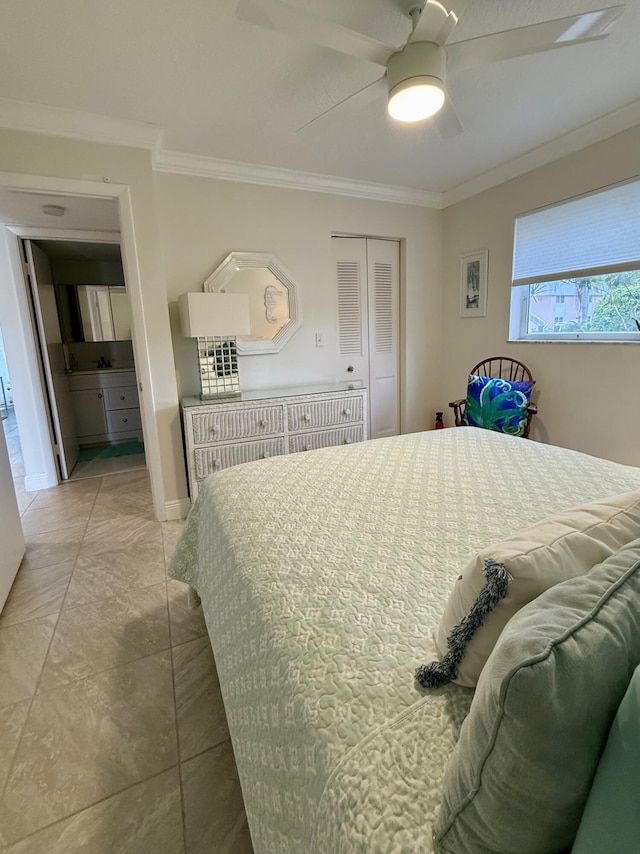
[(274, 304)]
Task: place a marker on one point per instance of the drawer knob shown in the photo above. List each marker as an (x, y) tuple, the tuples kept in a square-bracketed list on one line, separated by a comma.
[(306, 416), (262, 422), (121, 397), (216, 464), (124, 420), (346, 412), (215, 428), (100, 395)]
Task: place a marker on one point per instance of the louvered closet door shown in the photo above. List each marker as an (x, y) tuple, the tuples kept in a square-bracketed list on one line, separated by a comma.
[(367, 274)]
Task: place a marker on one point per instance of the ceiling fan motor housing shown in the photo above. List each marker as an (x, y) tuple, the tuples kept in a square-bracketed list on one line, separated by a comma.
[(416, 60)]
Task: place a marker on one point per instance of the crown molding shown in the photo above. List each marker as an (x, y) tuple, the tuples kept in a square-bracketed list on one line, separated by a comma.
[(271, 176), (596, 131), (75, 124), (90, 127)]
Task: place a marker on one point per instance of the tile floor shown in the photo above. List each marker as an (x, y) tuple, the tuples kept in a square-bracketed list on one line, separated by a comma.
[(113, 738)]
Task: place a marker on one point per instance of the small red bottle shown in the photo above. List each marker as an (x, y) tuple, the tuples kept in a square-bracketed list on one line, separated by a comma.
[(439, 421)]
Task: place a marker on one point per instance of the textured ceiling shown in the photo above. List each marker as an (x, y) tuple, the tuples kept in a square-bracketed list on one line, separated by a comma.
[(223, 88)]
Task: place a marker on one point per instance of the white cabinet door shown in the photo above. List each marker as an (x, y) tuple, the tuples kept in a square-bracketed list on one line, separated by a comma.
[(383, 262), (88, 408), (368, 281), (11, 537)]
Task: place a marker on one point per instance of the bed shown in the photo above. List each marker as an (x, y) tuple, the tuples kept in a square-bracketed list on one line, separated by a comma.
[(322, 577)]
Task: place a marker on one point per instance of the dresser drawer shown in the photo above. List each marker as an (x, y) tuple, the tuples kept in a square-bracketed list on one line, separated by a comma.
[(212, 459), (213, 426), (325, 439), (121, 420), (324, 413), (121, 398)]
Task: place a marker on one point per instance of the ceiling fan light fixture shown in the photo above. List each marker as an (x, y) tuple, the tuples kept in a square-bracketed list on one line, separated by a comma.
[(416, 99)]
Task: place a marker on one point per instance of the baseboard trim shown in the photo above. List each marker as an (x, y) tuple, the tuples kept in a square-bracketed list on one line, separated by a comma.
[(177, 509), (33, 482)]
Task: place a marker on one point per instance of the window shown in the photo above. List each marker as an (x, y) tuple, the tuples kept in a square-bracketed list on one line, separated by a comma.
[(576, 269)]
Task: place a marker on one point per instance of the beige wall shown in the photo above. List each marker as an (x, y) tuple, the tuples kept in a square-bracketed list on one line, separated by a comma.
[(588, 394), (185, 226), (202, 220)]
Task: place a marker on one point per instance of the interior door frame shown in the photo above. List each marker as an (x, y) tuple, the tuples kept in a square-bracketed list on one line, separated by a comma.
[(127, 239)]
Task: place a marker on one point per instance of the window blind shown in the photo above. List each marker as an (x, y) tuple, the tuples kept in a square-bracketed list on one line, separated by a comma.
[(590, 235)]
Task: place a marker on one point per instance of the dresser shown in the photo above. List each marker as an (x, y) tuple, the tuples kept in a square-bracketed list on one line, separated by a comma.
[(105, 406), (269, 423)]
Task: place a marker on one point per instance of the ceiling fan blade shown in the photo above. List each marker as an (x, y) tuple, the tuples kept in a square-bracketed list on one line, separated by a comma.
[(458, 7), (284, 19), (447, 28), (535, 38), (350, 104), (433, 19), (439, 23), (446, 121)]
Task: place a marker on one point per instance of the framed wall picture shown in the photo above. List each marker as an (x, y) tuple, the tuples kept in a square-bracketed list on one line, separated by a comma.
[(473, 284)]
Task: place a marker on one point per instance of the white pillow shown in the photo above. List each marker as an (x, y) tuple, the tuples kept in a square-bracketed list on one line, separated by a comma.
[(554, 550), (520, 773)]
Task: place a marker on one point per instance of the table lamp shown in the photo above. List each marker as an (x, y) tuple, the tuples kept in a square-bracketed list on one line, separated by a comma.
[(215, 319)]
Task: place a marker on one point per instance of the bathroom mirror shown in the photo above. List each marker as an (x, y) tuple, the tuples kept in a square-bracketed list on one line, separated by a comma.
[(274, 303), (93, 313)]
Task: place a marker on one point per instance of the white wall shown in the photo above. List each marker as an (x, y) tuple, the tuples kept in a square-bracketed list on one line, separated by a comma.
[(588, 394), (202, 220), (37, 453), (11, 536)]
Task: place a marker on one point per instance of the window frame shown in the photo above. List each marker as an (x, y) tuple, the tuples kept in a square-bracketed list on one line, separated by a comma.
[(570, 223), (519, 313)]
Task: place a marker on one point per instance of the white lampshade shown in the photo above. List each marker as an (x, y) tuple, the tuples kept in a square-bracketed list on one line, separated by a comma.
[(416, 99), (205, 315)]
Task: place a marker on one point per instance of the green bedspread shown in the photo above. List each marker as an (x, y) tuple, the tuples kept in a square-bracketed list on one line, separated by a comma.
[(322, 577)]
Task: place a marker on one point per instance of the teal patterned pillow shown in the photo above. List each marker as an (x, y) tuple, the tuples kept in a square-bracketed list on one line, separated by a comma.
[(497, 404)]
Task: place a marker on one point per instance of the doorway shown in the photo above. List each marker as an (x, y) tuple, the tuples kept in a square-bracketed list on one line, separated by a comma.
[(93, 208), (367, 274), (82, 321)]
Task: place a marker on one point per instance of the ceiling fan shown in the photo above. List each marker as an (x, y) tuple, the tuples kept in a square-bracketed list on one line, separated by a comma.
[(415, 73)]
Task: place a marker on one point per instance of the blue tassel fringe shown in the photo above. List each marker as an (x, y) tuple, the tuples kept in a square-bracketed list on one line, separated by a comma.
[(439, 672)]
